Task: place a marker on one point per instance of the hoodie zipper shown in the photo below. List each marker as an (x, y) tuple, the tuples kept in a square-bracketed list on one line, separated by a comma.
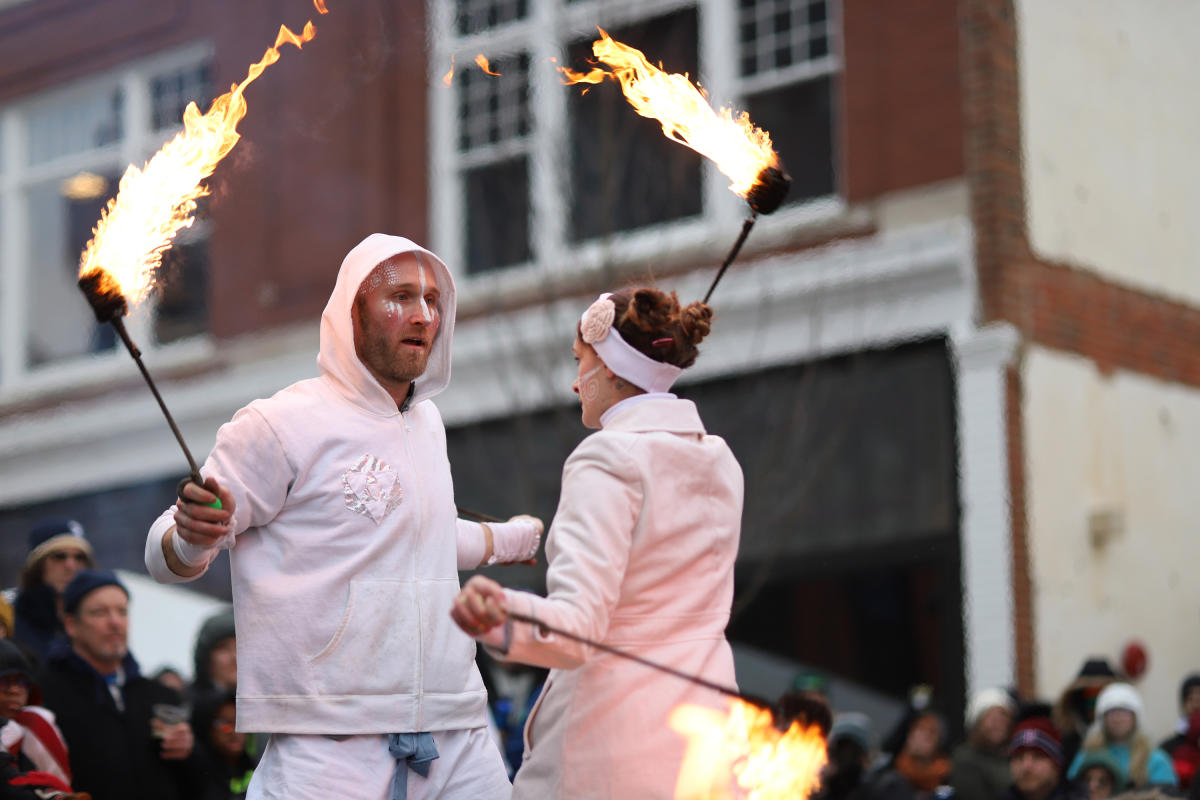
[(412, 468)]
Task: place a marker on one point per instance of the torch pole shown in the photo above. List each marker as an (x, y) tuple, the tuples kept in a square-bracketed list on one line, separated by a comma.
[(476, 515), (737, 246), (119, 325), (696, 679)]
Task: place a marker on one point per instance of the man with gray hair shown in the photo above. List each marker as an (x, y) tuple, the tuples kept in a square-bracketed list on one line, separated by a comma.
[(338, 510)]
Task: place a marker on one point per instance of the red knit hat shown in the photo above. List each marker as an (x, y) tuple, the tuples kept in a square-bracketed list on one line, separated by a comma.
[(1037, 733)]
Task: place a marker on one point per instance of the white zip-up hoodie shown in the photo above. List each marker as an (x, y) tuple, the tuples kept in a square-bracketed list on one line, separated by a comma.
[(344, 563)]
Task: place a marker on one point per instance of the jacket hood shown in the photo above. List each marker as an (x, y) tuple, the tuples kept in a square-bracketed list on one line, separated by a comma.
[(215, 629), (338, 360)]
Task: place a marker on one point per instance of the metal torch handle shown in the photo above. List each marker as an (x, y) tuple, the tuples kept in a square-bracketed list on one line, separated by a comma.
[(696, 679), (119, 324)]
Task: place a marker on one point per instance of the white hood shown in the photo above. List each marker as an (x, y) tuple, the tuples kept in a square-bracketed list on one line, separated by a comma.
[(339, 360)]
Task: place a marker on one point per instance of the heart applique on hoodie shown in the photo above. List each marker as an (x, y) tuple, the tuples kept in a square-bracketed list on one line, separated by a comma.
[(371, 488)]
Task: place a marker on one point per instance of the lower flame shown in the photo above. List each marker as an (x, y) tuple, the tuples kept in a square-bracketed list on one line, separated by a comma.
[(155, 202), (732, 142), (741, 755)]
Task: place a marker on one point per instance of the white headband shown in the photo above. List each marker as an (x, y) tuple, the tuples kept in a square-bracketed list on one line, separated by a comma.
[(619, 355)]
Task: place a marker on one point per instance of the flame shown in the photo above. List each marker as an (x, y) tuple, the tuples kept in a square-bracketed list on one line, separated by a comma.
[(153, 203), (741, 755), (739, 149), (482, 61), (449, 76), (320, 4)]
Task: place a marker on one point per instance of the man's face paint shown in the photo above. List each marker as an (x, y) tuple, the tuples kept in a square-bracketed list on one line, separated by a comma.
[(396, 320)]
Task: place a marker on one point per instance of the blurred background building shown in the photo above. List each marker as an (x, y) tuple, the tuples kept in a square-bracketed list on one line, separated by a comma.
[(959, 366)]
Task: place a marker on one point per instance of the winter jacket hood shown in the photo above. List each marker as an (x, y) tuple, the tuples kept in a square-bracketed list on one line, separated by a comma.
[(339, 361), (215, 630)]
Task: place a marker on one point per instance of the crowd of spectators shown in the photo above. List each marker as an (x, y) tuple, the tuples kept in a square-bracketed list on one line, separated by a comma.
[(1091, 743), (79, 720)]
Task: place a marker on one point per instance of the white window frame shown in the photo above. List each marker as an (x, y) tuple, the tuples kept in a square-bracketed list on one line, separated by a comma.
[(544, 35), (18, 380)]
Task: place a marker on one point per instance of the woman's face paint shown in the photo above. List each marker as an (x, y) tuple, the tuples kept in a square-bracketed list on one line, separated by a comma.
[(591, 384)]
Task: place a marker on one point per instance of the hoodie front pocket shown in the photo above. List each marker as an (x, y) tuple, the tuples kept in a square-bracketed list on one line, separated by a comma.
[(376, 647)]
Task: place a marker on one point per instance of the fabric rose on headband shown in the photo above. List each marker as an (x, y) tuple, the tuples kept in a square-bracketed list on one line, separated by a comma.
[(597, 320)]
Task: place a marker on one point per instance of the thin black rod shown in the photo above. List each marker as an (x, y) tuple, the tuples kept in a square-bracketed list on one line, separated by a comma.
[(687, 676), (475, 515), (746, 226), (119, 325)]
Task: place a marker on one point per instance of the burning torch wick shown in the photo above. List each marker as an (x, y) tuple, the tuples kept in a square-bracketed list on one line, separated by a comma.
[(696, 679), (766, 195), (109, 306)]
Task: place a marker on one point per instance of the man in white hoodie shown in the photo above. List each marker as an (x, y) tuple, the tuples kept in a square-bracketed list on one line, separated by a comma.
[(338, 511)]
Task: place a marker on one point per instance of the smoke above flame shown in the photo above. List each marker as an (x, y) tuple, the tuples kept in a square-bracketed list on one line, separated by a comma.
[(741, 755), (158, 200), (731, 141)]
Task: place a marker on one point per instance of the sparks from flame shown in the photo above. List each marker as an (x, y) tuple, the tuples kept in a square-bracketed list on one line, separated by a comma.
[(482, 61), (449, 76), (155, 202), (741, 755), (731, 141)]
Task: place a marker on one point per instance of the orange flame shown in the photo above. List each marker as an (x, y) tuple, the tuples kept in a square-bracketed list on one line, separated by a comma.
[(741, 755), (482, 61), (739, 149), (320, 4), (156, 201), (449, 76)]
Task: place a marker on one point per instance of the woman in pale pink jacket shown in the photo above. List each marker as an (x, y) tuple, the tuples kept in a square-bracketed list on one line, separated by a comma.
[(641, 555)]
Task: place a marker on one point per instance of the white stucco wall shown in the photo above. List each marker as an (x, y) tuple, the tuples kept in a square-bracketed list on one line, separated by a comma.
[(1109, 115), (1127, 444)]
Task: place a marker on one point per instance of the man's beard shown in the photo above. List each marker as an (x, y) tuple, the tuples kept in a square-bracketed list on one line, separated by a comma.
[(399, 364)]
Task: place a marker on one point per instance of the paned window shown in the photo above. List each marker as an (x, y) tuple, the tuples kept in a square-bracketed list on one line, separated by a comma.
[(62, 154)]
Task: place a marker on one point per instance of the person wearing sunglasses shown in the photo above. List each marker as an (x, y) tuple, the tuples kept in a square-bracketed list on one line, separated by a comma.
[(57, 552)]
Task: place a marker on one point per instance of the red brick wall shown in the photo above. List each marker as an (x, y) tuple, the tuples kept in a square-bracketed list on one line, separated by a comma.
[(903, 120)]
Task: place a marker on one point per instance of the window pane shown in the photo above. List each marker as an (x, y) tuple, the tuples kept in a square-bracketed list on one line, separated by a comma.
[(497, 219), (61, 217), (799, 118), (493, 109), (625, 174), (774, 34), (478, 15), (75, 124), (170, 93), (182, 308)]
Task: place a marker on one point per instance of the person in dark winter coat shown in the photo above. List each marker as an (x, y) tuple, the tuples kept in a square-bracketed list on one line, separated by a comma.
[(981, 769), (216, 654), (223, 757), (123, 744), (849, 753), (1184, 746), (27, 730), (57, 551), (1036, 763)]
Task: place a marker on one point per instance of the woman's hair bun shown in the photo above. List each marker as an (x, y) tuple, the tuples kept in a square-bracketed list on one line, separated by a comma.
[(695, 321)]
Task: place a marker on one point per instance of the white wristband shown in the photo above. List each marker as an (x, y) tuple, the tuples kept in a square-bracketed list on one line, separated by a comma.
[(189, 554), (515, 540)]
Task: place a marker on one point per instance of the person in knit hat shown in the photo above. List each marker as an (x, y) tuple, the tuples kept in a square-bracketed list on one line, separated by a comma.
[(1100, 776), (57, 551), (1035, 759), (1076, 706), (981, 770), (1117, 731)]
